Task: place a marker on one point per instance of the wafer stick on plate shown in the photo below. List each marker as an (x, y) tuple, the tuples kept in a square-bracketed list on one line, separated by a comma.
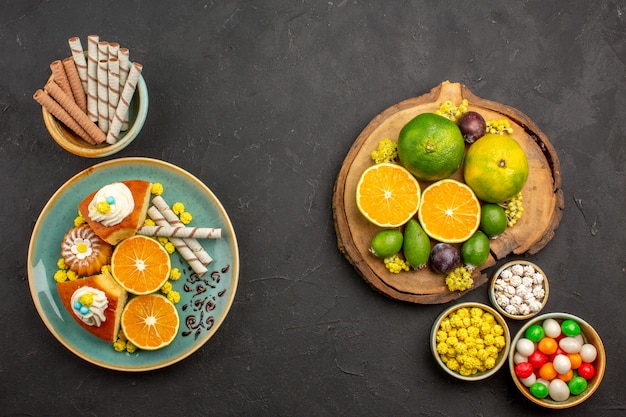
[(125, 98), (58, 71), (92, 77), (79, 59), (75, 84), (182, 232), (61, 114), (103, 96), (182, 248), (77, 114), (173, 220)]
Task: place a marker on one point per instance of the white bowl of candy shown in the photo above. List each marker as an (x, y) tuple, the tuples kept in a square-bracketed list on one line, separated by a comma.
[(519, 290), (557, 360)]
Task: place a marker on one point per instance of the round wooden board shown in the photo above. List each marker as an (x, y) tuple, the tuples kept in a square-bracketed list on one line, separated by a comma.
[(543, 197)]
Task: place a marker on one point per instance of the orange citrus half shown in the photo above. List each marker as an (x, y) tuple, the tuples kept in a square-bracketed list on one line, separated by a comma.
[(150, 321), (449, 211), (387, 195), (140, 264)]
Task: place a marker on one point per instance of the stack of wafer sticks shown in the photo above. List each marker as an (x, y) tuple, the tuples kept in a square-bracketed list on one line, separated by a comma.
[(92, 95), (182, 237)]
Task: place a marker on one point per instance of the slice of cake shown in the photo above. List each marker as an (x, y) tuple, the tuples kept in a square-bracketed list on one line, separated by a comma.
[(117, 210), (96, 303)]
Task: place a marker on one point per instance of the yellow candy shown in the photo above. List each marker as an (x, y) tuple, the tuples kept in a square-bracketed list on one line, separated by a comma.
[(103, 207), (86, 299)]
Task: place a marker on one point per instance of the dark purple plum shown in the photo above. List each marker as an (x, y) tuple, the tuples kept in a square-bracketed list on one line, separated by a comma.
[(444, 258), (472, 126)]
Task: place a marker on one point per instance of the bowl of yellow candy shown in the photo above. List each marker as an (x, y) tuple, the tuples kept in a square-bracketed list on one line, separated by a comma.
[(470, 341)]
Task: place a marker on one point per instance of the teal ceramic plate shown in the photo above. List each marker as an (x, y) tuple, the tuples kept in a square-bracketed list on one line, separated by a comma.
[(205, 301)]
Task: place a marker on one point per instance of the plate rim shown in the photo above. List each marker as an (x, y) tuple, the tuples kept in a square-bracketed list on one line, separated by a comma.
[(235, 267)]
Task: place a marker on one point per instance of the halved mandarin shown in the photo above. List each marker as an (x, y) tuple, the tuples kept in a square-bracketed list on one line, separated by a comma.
[(150, 321), (140, 264), (388, 195), (449, 211)]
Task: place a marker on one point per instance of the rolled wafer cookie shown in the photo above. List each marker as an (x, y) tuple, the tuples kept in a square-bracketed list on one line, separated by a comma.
[(114, 50), (72, 108), (103, 86), (103, 95), (63, 116), (92, 77), (125, 98), (103, 50), (124, 56), (182, 232), (79, 59), (182, 248), (114, 86), (58, 71), (75, 84), (173, 220)]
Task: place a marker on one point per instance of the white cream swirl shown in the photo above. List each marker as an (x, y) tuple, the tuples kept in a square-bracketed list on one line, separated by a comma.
[(120, 202), (93, 314)]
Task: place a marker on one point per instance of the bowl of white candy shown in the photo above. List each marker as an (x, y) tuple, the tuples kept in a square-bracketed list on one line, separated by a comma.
[(519, 290)]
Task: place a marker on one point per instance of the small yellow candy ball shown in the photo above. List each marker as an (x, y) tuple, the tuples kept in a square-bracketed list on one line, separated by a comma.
[(186, 217), (103, 207), (86, 299), (157, 188)]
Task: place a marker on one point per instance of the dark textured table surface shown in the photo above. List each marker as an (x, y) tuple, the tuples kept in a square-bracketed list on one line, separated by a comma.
[(261, 101)]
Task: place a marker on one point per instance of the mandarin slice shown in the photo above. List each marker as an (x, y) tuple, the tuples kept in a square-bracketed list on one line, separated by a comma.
[(150, 321), (449, 211), (387, 195), (140, 264)]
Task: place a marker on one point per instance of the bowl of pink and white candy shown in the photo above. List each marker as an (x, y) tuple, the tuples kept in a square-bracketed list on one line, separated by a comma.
[(557, 360)]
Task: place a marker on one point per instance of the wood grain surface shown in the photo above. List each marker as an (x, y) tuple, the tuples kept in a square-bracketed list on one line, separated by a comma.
[(542, 197)]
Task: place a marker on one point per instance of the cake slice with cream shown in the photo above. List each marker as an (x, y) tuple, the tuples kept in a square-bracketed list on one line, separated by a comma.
[(117, 210), (96, 303)]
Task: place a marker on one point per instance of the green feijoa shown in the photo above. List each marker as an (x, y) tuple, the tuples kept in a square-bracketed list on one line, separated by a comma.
[(492, 219), (386, 243), (416, 245), (475, 250)]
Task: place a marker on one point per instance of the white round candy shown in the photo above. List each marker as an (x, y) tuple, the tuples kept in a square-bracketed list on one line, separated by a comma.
[(529, 381), (544, 382), (588, 353), (558, 390), (518, 358), (562, 364), (525, 347), (570, 345), (552, 328)]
